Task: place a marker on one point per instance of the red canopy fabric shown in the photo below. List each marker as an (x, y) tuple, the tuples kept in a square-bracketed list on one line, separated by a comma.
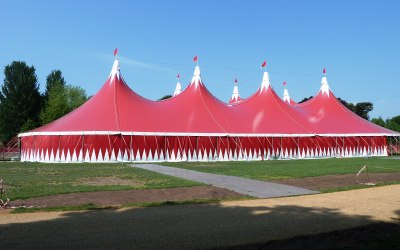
[(118, 109)]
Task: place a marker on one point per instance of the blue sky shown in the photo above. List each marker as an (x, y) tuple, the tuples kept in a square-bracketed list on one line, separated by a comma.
[(358, 42)]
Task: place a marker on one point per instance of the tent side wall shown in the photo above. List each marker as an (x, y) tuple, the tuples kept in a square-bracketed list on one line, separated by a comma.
[(148, 148)]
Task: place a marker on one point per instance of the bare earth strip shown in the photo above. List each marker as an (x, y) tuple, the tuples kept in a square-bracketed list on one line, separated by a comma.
[(337, 181), (225, 224)]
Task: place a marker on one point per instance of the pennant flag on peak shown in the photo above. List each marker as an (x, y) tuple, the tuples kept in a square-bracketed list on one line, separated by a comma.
[(324, 71), (264, 64), (236, 80), (178, 76), (284, 83), (115, 51), (195, 59)]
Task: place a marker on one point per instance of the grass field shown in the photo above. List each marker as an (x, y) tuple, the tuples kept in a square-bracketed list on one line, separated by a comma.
[(277, 170), (27, 180)]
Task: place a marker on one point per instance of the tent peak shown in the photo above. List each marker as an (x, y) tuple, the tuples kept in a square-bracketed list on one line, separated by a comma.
[(115, 72), (196, 80), (235, 95), (265, 82), (324, 86), (286, 96), (178, 89)]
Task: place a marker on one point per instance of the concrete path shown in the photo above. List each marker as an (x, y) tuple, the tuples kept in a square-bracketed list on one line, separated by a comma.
[(254, 188)]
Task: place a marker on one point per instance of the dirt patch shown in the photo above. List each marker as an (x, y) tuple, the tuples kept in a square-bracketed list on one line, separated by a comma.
[(115, 198), (337, 181), (109, 181)]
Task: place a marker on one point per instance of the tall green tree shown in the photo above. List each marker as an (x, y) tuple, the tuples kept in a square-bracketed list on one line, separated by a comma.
[(379, 121), (363, 108), (20, 100), (393, 123), (56, 104), (76, 96), (61, 100), (54, 78)]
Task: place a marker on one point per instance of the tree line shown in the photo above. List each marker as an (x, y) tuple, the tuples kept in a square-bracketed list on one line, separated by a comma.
[(23, 107)]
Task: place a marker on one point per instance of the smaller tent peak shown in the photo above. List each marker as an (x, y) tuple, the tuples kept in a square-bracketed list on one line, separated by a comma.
[(265, 82), (286, 96), (178, 89), (115, 72), (324, 86), (196, 80), (235, 95)]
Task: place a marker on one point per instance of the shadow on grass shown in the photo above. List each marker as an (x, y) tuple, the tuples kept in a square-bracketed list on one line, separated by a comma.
[(204, 226)]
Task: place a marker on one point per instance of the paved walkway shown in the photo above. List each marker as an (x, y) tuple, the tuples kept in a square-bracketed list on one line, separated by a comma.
[(254, 188)]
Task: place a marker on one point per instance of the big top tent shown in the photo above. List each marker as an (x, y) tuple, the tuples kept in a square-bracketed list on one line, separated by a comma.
[(118, 125)]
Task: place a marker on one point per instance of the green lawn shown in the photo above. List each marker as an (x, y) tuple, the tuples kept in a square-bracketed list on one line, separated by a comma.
[(276, 170), (26, 180)]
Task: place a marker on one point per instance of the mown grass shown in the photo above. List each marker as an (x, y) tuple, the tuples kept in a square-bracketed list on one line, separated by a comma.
[(286, 169), (28, 180)]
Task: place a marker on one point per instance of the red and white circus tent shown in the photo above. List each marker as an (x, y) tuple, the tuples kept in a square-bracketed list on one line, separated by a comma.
[(118, 125)]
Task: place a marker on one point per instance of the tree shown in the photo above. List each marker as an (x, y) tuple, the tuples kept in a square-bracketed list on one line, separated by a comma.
[(393, 123), (56, 105), (20, 100), (348, 105), (363, 108), (62, 99), (165, 97), (76, 96), (379, 121), (54, 78), (305, 99)]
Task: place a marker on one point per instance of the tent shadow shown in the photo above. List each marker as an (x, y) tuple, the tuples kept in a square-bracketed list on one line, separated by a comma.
[(205, 226)]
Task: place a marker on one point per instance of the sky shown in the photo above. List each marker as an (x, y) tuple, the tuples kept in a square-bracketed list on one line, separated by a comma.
[(358, 42)]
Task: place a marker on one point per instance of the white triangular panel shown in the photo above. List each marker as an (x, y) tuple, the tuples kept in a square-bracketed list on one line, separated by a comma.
[(240, 155), (93, 156), (137, 158), (162, 157), (150, 156), (119, 156), (125, 157), (87, 156), (68, 156), (100, 156), (74, 157), (106, 157), (144, 155), (51, 156), (205, 155), (42, 156), (131, 155), (113, 157)]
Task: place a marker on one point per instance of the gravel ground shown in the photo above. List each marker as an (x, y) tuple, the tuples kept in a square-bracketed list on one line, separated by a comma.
[(225, 224)]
